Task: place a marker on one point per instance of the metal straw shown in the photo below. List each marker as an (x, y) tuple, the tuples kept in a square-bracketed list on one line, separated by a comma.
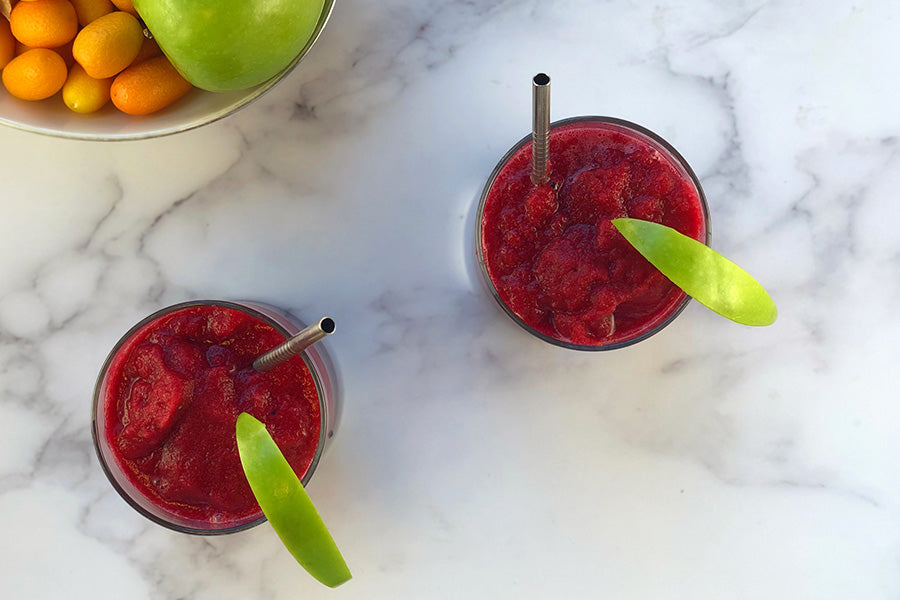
[(540, 128), (294, 345)]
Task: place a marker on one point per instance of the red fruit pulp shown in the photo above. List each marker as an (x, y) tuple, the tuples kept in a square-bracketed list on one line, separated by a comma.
[(551, 251), (172, 396)]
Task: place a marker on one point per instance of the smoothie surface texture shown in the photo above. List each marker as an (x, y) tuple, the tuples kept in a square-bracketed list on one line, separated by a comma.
[(553, 255), (174, 392)]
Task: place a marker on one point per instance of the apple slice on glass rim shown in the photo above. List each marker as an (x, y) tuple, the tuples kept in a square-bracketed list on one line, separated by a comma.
[(701, 272)]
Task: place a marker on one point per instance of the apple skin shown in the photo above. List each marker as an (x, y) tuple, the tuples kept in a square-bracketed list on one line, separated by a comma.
[(224, 45)]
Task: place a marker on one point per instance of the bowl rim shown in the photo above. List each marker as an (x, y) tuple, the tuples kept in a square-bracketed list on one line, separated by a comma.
[(253, 95)]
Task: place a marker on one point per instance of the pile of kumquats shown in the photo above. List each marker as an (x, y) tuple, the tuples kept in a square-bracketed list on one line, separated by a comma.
[(93, 51)]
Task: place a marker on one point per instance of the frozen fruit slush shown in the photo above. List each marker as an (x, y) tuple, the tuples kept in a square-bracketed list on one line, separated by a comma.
[(172, 394), (550, 251)]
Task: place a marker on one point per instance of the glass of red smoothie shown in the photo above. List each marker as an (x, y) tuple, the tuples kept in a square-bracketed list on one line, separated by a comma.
[(169, 394), (549, 253)]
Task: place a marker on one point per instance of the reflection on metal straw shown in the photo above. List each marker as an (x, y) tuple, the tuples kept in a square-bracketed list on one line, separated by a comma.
[(540, 128), (294, 345)]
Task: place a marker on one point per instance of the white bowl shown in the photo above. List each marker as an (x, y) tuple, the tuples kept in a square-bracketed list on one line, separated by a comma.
[(52, 117)]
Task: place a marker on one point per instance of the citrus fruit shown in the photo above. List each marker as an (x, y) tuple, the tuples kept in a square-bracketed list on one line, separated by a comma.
[(148, 87), (125, 5), (108, 44), (7, 43), (44, 23), (37, 74), (149, 49), (90, 10), (84, 94)]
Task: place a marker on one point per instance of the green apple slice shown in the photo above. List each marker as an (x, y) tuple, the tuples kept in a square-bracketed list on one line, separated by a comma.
[(287, 505), (704, 274)]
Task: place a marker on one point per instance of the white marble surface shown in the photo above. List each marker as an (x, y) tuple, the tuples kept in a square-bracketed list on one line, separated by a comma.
[(711, 461)]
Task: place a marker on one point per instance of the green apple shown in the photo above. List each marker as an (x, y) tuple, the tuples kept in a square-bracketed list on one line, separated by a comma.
[(222, 45)]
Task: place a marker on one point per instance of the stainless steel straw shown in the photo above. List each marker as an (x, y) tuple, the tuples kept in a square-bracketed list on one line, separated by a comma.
[(540, 127), (294, 345)]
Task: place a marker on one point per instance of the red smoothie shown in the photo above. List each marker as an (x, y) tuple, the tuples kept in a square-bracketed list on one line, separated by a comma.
[(551, 254), (170, 397)]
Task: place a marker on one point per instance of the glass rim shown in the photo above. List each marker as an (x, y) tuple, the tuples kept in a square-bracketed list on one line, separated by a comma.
[(479, 254), (250, 309)]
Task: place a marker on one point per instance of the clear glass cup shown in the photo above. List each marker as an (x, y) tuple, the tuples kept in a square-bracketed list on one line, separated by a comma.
[(328, 387), (647, 137)]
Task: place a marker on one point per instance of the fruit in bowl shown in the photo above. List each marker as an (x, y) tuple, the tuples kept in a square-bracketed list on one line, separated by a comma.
[(108, 35), (222, 45), (92, 57)]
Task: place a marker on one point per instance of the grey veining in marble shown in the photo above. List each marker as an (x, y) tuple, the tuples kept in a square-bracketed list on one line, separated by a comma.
[(711, 461)]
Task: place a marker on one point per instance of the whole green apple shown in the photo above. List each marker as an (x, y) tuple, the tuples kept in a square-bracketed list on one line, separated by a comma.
[(223, 45)]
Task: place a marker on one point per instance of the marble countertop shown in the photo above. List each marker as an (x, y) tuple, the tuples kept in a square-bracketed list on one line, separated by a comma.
[(473, 461)]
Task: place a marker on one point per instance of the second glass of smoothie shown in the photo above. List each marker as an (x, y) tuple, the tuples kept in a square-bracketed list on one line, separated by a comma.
[(168, 397), (549, 253)]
